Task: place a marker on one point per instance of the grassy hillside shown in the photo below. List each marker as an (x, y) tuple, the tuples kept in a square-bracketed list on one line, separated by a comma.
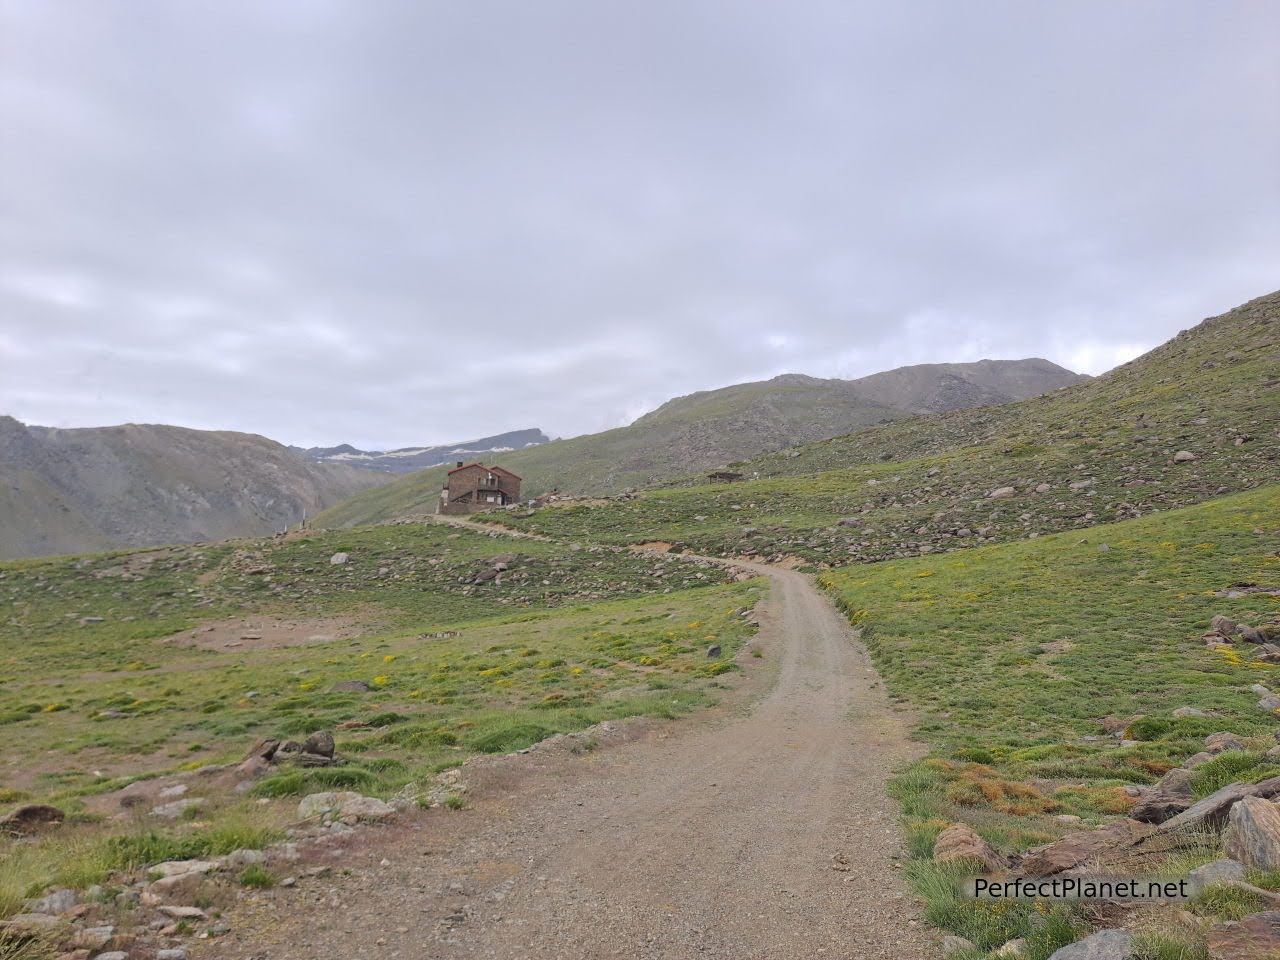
[(70, 491), (710, 428), (1100, 451), (1014, 654), (710, 431), (119, 668)]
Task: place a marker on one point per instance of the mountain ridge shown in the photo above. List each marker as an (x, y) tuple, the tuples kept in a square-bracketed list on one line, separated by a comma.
[(70, 490), (710, 428), (409, 459)]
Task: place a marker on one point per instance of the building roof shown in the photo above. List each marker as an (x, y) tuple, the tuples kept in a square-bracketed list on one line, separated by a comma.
[(467, 466)]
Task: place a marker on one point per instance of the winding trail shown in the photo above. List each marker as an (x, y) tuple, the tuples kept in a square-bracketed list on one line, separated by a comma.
[(761, 830)]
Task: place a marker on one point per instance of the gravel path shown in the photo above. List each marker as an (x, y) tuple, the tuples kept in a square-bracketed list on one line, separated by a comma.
[(760, 831)]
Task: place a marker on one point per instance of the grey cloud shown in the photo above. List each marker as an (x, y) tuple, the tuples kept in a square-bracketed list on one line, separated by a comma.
[(408, 222)]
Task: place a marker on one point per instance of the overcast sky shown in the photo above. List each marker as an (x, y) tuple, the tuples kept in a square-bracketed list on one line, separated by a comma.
[(390, 223)]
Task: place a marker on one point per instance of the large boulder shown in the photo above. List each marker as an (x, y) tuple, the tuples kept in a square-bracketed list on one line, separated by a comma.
[(1084, 846), (1256, 937), (959, 842), (1253, 833), (1212, 811), (1103, 945)]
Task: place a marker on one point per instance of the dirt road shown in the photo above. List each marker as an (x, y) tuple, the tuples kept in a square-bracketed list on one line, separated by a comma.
[(760, 832)]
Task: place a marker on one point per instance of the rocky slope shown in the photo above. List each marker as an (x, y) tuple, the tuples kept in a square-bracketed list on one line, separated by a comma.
[(1196, 418), (710, 428), (69, 491), (410, 459)]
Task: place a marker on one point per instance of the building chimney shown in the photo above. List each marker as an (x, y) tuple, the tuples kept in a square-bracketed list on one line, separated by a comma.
[(459, 463)]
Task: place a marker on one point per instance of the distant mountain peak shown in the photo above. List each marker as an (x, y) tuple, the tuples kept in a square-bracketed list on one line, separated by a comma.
[(412, 459)]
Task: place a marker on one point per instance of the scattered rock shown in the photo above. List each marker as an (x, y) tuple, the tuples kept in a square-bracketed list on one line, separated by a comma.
[(173, 868), (1220, 871), (1212, 811), (174, 953), (93, 938), (1253, 833), (60, 901), (351, 686), (338, 559), (1183, 456), (951, 944), (1223, 625), (182, 913), (1170, 797), (959, 842), (344, 805), (1270, 703), (1083, 846), (263, 749), (1220, 742), (1012, 949), (713, 651), (243, 858), (1103, 945), (29, 925), (1257, 634), (174, 810), (1256, 937), (1001, 492), (320, 743)]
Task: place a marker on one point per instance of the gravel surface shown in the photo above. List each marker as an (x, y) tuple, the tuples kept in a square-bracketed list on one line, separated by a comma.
[(758, 830)]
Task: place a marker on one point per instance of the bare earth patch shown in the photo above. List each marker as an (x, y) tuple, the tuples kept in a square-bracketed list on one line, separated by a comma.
[(267, 633)]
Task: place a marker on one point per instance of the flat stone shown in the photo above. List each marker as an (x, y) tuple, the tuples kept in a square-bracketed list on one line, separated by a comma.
[(182, 913), (175, 809), (343, 805), (1256, 937), (60, 901), (1084, 846), (1103, 945), (171, 868), (1220, 871), (31, 924)]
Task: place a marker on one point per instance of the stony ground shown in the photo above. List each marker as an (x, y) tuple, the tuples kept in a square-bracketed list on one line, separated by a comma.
[(762, 831)]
